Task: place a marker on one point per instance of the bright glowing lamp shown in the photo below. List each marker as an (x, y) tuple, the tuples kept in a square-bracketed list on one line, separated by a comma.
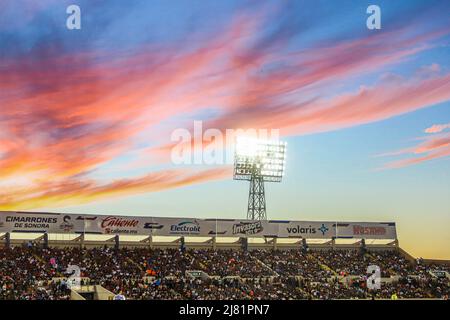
[(258, 161)]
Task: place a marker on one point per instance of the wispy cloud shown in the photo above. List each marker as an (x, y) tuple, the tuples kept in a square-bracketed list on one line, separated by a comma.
[(436, 128), (74, 191), (433, 147)]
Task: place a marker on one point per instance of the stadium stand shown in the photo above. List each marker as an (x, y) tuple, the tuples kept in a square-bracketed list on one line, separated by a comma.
[(31, 272)]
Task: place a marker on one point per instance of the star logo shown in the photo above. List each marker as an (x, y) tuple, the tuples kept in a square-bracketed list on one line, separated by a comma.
[(323, 229)]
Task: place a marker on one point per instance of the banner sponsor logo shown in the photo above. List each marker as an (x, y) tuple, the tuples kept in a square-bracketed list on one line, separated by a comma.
[(361, 230), (153, 225), (119, 225), (66, 226), (307, 230), (301, 230), (323, 229), (214, 232), (185, 227), (248, 228), (31, 222), (86, 218)]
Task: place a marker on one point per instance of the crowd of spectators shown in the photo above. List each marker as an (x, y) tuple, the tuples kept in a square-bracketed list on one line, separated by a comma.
[(25, 277), (29, 273), (292, 263), (352, 262)]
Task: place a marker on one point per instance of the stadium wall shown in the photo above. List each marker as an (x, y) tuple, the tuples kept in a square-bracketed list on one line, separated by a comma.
[(208, 244)]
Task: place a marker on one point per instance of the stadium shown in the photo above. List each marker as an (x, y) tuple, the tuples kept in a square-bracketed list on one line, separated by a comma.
[(93, 257), (139, 139)]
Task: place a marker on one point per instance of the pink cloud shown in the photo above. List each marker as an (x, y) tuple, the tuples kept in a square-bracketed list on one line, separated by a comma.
[(369, 104), (74, 191), (437, 128), (432, 148)]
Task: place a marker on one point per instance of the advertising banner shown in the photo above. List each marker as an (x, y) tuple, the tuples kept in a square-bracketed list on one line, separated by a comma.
[(366, 230), (38, 222), (138, 225), (307, 229)]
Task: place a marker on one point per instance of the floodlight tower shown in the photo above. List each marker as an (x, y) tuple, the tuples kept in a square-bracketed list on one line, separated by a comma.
[(258, 161)]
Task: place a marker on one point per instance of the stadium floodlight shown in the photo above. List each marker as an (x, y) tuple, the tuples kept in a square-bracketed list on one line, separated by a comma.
[(258, 161)]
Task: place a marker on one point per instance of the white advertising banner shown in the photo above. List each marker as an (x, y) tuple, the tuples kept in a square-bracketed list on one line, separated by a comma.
[(307, 229), (134, 225), (38, 222), (366, 230), (246, 228), (179, 227)]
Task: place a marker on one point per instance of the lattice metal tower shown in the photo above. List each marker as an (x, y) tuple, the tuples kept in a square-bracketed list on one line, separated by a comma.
[(258, 161), (256, 197)]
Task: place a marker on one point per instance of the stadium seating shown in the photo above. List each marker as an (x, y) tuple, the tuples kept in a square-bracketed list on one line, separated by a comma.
[(29, 273)]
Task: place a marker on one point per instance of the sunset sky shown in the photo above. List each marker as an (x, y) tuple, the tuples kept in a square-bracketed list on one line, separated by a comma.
[(86, 116)]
